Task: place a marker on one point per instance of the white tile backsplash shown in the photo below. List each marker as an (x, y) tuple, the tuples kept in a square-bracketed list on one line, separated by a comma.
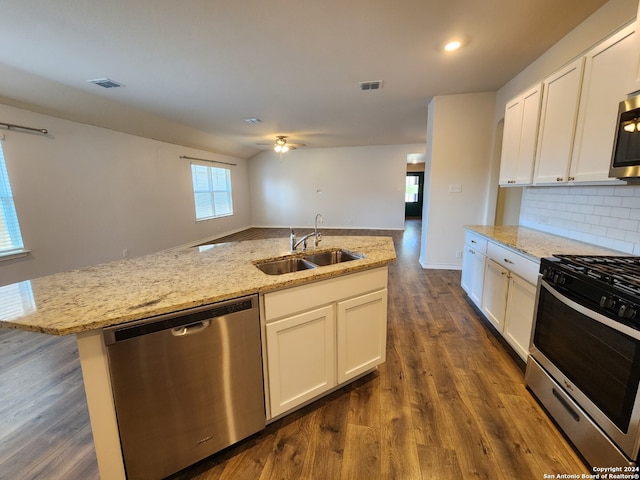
[(603, 215)]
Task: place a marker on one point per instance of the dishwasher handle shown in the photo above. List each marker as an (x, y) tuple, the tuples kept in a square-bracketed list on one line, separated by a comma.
[(183, 322), (190, 329)]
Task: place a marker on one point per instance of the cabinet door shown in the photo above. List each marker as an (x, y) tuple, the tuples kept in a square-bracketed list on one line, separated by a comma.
[(519, 317), (473, 274), (301, 357), (557, 124), (511, 141), (608, 77), (494, 295), (531, 104), (362, 334), (519, 138)]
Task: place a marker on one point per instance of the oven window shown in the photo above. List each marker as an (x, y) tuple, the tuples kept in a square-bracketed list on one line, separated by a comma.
[(602, 362)]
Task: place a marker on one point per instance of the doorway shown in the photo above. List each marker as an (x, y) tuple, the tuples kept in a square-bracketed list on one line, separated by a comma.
[(414, 192)]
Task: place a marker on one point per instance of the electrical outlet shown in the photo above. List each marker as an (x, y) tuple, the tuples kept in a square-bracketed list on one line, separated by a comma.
[(125, 253), (458, 254)]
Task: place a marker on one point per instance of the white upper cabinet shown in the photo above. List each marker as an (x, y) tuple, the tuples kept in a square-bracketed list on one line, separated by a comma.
[(521, 120), (609, 75), (557, 124), (564, 129)]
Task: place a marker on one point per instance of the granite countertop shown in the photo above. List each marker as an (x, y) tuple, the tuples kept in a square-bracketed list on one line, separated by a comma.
[(537, 244), (131, 289)]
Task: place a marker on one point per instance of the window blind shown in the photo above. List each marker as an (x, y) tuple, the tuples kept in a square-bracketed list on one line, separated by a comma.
[(10, 237), (16, 300)]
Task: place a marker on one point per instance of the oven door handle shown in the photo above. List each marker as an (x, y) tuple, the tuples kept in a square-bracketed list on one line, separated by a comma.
[(598, 317)]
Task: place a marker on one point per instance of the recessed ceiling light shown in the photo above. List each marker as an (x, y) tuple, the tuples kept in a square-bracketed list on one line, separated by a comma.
[(452, 46)]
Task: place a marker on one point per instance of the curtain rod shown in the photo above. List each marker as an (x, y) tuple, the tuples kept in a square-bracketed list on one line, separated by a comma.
[(207, 160), (10, 126)]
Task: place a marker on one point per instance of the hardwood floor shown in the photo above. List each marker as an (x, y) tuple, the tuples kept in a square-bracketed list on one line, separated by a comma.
[(449, 402)]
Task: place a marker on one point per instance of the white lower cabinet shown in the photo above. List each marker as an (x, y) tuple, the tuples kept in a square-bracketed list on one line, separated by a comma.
[(494, 297), (362, 334), (320, 335), (473, 260), (302, 358), (508, 289), (519, 315)]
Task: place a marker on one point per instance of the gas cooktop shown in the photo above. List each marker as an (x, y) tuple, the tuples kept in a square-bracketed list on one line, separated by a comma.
[(611, 283), (618, 272)]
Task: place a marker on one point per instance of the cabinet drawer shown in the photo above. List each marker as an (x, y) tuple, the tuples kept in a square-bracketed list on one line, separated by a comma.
[(312, 295), (475, 240), (515, 262)]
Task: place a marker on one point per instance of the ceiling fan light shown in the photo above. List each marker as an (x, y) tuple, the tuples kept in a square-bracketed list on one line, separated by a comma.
[(284, 149), (452, 46), (278, 148)]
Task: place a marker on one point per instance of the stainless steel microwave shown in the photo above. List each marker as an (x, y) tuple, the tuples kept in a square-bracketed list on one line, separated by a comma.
[(625, 159)]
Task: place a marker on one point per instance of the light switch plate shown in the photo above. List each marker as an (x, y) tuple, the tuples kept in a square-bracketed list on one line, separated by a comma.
[(455, 188)]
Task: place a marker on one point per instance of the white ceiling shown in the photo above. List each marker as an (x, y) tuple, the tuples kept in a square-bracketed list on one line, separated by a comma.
[(193, 69)]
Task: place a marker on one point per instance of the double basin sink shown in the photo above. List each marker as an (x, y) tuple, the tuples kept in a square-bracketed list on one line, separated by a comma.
[(297, 263)]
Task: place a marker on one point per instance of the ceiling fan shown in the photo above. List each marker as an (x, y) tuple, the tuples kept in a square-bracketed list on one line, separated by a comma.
[(282, 146)]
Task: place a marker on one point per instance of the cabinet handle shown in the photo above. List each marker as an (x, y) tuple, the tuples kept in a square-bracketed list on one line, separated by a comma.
[(473, 241), (559, 179), (571, 179), (506, 260)]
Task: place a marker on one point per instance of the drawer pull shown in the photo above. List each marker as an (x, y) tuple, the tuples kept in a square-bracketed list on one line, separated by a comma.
[(559, 179), (473, 241), (566, 405), (506, 260)]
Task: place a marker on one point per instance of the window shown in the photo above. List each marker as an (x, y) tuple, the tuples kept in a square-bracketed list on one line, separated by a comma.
[(211, 191), (412, 189), (10, 237)]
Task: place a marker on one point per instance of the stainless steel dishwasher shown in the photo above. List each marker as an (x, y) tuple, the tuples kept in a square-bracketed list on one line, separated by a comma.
[(186, 385)]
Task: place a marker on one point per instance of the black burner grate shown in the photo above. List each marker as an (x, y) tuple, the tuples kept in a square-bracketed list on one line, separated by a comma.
[(620, 272)]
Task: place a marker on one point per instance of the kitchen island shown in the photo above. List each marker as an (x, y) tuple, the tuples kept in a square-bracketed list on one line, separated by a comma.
[(84, 301)]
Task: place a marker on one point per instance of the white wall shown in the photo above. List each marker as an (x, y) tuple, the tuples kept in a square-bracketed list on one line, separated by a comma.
[(352, 187), (459, 140), (84, 194)]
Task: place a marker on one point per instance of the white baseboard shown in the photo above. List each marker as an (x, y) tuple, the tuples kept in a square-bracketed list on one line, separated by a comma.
[(440, 266)]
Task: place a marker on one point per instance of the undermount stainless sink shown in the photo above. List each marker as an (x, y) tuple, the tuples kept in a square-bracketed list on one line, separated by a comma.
[(331, 257), (295, 264), (285, 265)]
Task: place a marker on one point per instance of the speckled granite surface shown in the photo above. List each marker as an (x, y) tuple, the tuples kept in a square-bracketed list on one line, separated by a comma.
[(132, 289), (537, 244)]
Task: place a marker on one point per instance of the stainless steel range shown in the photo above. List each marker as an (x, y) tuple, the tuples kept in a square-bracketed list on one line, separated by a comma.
[(584, 363)]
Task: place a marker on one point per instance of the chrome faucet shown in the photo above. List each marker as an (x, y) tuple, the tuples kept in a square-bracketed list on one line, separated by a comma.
[(294, 243), (317, 234)]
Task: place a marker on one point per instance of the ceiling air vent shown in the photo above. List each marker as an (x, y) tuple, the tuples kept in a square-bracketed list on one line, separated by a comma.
[(375, 85), (106, 83)]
